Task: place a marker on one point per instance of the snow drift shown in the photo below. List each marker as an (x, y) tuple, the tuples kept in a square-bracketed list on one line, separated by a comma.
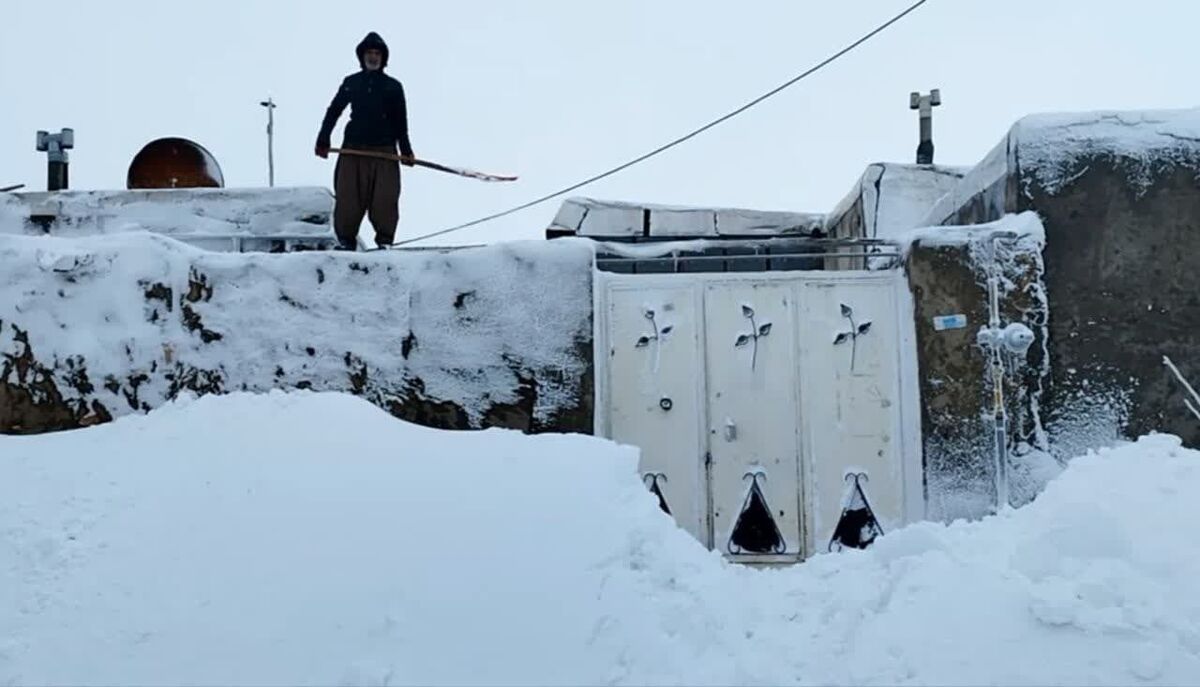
[(252, 540)]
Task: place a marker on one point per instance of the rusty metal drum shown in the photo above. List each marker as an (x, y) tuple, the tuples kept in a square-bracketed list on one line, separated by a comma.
[(174, 163)]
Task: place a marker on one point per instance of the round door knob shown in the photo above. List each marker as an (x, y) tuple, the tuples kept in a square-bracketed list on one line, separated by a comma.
[(666, 403)]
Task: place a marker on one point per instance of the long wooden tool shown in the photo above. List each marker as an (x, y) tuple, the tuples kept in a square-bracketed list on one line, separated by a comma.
[(482, 176)]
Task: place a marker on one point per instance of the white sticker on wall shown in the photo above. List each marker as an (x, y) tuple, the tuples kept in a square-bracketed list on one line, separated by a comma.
[(944, 322)]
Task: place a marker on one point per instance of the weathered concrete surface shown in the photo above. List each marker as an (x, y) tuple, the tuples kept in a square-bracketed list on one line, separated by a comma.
[(955, 437), (1124, 290), (1119, 196), (949, 276), (96, 328)]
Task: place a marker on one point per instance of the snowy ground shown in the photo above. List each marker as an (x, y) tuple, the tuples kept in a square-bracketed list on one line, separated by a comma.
[(242, 540)]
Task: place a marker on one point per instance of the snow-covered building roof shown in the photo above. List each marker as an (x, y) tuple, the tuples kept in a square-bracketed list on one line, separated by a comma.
[(217, 218), (891, 198)]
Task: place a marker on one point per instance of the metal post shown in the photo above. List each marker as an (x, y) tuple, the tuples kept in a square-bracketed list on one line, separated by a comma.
[(56, 146), (270, 105), (925, 103)]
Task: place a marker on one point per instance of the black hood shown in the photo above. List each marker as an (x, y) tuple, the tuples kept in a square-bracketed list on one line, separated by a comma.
[(373, 40)]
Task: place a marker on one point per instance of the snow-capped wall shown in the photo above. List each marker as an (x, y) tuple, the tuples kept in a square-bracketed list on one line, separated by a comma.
[(890, 198), (215, 219), (1118, 197), (1049, 152), (948, 269), (96, 327)]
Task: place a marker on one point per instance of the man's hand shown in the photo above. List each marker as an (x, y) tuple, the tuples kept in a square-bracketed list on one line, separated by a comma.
[(407, 160), (322, 151)]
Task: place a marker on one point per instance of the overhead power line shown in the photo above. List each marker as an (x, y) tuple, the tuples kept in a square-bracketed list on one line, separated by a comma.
[(667, 146)]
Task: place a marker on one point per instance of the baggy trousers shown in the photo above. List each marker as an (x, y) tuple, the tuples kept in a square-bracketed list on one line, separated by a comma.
[(370, 186)]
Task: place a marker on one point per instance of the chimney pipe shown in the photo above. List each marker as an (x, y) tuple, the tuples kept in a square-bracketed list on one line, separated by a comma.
[(56, 146), (925, 104)]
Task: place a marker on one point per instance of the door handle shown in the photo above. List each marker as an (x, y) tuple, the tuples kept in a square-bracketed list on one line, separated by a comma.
[(731, 430)]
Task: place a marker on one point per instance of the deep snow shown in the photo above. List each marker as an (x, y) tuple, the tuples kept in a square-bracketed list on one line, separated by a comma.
[(244, 539)]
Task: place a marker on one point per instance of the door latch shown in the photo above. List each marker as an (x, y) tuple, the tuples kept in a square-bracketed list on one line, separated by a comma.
[(730, 429)]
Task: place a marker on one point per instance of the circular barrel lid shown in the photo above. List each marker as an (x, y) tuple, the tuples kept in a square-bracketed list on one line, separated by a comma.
[(174, 163)]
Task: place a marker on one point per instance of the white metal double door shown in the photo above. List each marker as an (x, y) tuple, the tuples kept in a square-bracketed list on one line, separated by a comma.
[(748, 406)]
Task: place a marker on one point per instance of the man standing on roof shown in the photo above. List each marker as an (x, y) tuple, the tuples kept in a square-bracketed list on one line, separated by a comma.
[(378, 122)]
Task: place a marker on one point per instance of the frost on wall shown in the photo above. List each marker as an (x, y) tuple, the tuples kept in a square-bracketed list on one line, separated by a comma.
[(948, 270), (1044, 154), (1118, 196), (97, 327), (1056, 148)]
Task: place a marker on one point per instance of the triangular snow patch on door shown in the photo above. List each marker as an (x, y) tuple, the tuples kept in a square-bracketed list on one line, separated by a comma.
[(857, 527), (755, 530)]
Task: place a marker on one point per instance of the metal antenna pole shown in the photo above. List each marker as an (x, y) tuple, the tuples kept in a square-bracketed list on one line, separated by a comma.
[(270, 105)]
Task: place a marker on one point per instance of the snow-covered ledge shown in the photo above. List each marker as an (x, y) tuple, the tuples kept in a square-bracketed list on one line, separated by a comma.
[(213, 218), (97, 327)]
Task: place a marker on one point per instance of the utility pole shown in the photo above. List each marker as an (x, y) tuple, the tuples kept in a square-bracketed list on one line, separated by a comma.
[(925, 103), (56, 146), (270, 105)]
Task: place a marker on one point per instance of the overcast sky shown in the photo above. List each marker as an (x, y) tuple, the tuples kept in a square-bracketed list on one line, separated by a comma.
[(556, 90)]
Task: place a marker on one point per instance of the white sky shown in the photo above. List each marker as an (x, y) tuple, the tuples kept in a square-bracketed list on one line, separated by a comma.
[(556, 90)]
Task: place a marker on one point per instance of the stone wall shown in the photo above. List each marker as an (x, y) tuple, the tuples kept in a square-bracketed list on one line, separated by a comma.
[(94, 328)]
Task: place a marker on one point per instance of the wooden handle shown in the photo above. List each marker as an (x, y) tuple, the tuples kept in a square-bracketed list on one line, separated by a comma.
[(366, 153)]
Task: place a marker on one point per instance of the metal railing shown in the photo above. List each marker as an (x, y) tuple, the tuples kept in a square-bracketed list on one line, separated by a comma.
[(754, 255)]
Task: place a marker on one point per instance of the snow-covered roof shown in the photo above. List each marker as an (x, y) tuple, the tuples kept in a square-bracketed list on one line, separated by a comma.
[(615, 219), (180, 213), (1024, 226), (1047, 149), (896, 197)]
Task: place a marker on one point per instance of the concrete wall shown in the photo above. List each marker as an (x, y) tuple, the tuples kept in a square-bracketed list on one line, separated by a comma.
[(1119, 198), (1124, 291), (948, 274)]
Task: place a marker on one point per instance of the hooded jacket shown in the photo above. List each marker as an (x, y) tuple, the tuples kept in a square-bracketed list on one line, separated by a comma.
[(378, 111)]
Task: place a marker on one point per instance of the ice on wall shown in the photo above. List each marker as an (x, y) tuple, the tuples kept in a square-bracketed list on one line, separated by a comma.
[(958, 487)]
